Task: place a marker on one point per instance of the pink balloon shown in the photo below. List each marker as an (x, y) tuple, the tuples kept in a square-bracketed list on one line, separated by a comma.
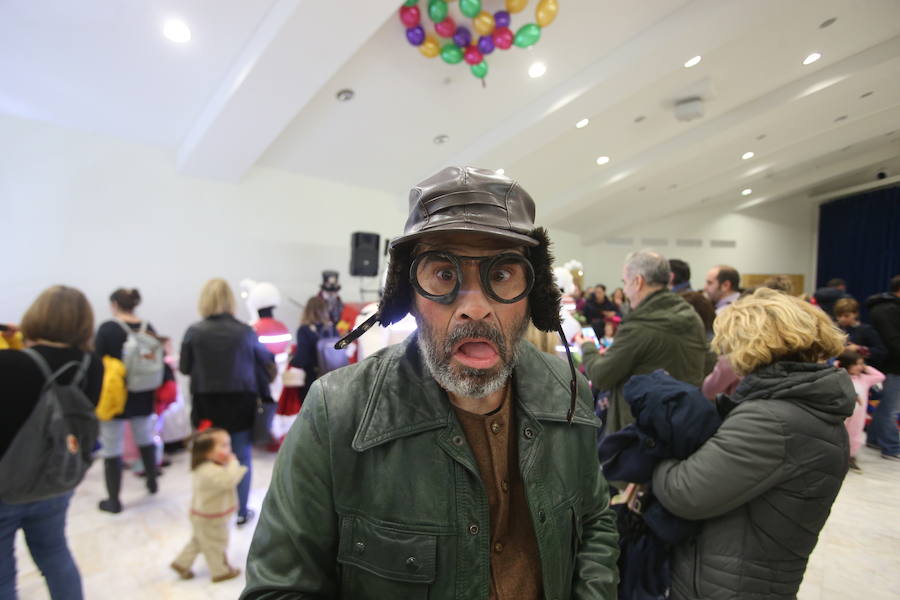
[(409, 16), (473, 56), (446, 28), (503, 38)]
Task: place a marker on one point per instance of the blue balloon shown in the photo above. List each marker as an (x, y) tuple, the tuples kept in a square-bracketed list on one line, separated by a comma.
[(501, 18), (462, 37), (486, 44), (415, 35)]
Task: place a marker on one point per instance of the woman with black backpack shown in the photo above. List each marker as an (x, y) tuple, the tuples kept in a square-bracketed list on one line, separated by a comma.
[(57, 329), (127, 341)]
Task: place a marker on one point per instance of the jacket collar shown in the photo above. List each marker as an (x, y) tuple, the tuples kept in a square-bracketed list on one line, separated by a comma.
[(406, 400)]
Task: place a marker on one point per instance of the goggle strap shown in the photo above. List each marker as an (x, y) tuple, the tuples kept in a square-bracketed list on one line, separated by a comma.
[(573, 383), (358, 332)]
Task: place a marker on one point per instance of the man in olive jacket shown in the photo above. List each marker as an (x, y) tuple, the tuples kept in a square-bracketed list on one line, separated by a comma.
[(662, 331), (458, 464)]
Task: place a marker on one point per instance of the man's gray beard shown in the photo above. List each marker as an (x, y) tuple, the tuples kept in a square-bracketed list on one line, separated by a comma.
[(469, 382)]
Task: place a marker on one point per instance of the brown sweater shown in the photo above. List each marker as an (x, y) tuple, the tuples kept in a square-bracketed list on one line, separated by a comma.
[(515, 562)]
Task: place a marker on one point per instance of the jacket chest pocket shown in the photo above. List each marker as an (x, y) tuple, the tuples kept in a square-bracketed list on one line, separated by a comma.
[(384, 561)]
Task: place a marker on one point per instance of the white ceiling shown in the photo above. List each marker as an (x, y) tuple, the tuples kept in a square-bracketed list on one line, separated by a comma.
[(257, 85)]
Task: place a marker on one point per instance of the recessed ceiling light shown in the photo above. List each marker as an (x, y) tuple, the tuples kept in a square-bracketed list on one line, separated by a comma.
[(602, 160), (761, 137), (441, 139), (747, 155), (537, 70), (177, 31), (693, 62), (867, 94), (345, 95), (639, 118), (501, 172), (827, 23), (746, 192), (841, 118), (582, 123), (812, 58)]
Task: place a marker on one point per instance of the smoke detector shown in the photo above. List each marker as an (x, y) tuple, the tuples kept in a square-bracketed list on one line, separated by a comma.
[(688, 109)]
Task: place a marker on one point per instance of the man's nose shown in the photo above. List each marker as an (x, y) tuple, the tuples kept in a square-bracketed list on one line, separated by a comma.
[(473, 303)]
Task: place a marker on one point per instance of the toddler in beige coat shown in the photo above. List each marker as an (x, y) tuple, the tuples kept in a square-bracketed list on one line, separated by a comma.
[(216, 473)]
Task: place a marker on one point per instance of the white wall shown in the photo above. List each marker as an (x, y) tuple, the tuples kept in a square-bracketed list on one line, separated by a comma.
[(98, 213), (778, 237)]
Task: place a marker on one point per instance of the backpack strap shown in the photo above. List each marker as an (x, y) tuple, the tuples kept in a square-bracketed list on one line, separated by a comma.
[(39, 360), (82, 369), (128, 330), (143, 327), (51, 376)]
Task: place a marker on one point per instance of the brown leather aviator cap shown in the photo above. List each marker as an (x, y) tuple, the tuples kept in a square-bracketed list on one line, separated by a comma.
[(469, 199)]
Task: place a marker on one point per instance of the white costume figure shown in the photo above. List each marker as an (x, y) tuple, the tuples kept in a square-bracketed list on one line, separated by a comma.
[(262, 300), (566, 284)]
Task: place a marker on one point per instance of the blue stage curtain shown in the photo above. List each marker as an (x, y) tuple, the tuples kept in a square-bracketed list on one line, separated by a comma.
[(859, 241)]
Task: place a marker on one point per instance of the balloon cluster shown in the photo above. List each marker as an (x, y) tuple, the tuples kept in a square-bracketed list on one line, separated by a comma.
[(459, 43)]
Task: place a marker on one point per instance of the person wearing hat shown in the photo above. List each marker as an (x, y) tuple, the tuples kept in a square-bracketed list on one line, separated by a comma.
[(458, 464)]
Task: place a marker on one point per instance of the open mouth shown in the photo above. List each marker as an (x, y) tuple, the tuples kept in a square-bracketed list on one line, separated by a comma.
[(477, 353)]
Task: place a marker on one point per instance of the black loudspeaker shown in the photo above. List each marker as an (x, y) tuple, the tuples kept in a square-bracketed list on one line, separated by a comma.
[(364, 249)]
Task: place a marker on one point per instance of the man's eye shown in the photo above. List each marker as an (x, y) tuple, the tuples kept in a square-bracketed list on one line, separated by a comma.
[(446, 275), (501, 275)]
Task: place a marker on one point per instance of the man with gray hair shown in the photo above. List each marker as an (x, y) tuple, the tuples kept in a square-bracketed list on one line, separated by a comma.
[(662, 331)]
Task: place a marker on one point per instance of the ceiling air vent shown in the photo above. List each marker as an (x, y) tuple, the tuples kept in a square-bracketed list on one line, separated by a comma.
[(654, 242), (689, 243), (620, 241), (723, 243)]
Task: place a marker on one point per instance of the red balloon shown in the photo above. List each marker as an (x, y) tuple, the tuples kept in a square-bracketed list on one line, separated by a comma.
[(409, 16), (473, 55), (503, 38), (446, 28)]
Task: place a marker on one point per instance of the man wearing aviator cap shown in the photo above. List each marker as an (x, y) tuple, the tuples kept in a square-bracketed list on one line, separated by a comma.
[(461, 463)]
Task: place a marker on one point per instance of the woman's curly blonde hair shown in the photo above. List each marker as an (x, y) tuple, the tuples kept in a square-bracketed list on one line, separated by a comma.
[(768, 325)]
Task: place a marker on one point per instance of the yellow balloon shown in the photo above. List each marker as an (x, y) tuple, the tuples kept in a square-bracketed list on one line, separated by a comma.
[(484, 23), (515, 6), (430, 47), (545, 12)]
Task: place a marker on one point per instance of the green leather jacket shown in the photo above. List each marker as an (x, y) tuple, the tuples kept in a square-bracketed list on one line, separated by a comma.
[(376, 493)]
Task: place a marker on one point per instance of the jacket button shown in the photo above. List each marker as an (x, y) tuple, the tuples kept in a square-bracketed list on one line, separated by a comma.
[(650, 443), (473, 529), (457, 439), (498, 547), (542, 516), (359, 547), (495, 427), (504, 485), (413, 564), (528, 433)]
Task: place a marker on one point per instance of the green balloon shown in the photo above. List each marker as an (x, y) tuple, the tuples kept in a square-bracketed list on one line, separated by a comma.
[(528, 35), (480, 70), (470, 8), (451, 53), (437, 10), (410, 2)]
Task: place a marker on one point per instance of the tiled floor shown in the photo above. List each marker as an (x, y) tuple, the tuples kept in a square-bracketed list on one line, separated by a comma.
[(127, 555)]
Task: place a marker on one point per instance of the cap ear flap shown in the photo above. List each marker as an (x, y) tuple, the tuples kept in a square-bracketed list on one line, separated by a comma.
[(544, 299), (396, 301)]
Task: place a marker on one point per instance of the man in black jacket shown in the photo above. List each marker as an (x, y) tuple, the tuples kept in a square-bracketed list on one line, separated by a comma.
[(884, 311)]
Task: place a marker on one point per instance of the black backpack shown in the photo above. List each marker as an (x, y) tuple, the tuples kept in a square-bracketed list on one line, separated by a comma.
[(52, 450)]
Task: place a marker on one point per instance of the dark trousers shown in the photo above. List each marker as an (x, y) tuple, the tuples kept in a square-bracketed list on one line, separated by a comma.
[(242, 445)]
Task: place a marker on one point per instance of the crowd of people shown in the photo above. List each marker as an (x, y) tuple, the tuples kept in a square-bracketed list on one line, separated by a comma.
[(462, 461), (124, 376)]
